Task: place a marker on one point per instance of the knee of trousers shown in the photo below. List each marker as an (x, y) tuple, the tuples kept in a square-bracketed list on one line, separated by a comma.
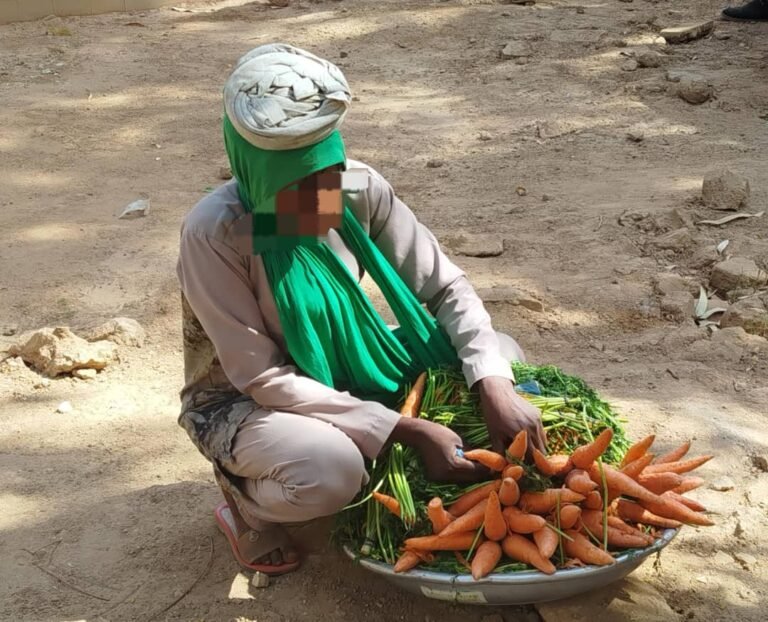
[(331, 478)]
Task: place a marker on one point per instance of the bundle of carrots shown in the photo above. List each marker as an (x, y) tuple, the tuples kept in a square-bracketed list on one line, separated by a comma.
[(591, 510), (594, 496)]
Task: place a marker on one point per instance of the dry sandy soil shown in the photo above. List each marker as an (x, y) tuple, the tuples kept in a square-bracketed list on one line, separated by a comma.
[(112, 498)]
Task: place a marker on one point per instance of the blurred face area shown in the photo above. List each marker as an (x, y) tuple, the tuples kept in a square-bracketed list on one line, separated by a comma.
[(312, 206)]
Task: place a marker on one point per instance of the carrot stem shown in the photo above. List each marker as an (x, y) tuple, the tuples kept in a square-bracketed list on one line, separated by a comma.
[(474, 542)]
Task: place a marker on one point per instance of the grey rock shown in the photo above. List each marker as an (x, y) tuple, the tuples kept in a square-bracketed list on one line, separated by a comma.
[(123, 331), (676, 75), (678, 306), (516, 49), (510, 295), (676, 240), (722, 36), (695, 91), (55, 351), (667, 283), (477, 245), (746, 560), (555, 128), (485, 136), (722, 484), (629, 65), (749, 313), (435, 163), (724, 190), (650, 59), (737, 272), (629, 600), (260, 580), (687, 32), (85, 374), (635, 136), (723, 559), (10, 330)]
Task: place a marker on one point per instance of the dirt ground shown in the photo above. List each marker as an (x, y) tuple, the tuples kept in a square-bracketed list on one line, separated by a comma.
[(113, 499)]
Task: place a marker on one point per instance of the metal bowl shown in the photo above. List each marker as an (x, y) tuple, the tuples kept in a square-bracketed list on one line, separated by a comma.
[(517, 588)]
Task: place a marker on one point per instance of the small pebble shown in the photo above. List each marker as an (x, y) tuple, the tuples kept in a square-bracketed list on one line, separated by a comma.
[(485, 136), (64, 407), (260, 580), (722, 484), (760, 463)]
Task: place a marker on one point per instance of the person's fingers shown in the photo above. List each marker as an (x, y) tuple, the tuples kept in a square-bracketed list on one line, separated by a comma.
[(470, 471)]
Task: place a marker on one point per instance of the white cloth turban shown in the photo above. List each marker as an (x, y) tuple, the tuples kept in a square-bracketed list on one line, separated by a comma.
[(281, 97)]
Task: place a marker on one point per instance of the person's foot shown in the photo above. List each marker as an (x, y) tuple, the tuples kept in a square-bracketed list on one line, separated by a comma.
[(266, 549), (756, 10)]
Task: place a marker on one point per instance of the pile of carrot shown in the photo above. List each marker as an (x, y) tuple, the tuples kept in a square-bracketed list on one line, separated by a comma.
[(593, 496), (589, 511)]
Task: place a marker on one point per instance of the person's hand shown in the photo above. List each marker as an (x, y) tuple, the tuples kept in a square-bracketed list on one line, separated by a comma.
[(506, 413), (437, 447)]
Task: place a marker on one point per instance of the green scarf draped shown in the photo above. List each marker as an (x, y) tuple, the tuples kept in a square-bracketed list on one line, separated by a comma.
[(332, 331)]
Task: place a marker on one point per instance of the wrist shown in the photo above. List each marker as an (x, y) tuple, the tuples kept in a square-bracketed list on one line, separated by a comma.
[(490, 384), (407, 431)]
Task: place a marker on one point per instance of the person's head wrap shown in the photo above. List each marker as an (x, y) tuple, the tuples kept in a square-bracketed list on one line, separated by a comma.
[(283, 107)]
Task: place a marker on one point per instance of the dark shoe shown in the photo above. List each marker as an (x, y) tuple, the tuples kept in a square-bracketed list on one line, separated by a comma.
[(757, 10)]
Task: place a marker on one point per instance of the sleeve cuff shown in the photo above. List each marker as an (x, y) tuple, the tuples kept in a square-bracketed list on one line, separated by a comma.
[(383, 421), (494, 366)]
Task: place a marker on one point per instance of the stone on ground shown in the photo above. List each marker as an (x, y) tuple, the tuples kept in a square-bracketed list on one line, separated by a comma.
[(749, 313), (55, 351), (123, 331), (687, 32), (677, 240), (477, 245), (724, 190), (694, 90), (510, 295), (737, 272), (516, 49)]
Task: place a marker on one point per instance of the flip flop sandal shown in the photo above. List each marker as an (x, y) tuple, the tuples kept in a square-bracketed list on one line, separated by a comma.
[(254, 544)]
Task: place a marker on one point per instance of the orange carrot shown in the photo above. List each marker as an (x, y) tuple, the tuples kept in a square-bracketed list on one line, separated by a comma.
[(689, 483), (583, 457), (515, 471), (622, 537), (669, 508), (581, 548), (691, 503), (660, 482), (522, 522), (634, 468), (638, 450), (470, 499), (617, 523), (621, 483), (488, 458), (523, 550), (543, 502), (518, 446), (593, 501), (468, 521), (413, 400), (486, 557), (406, 561), (675, 454), (438, 515), (462, 560), (578, 481), (509, 493), (631, 511), (551, 466), (388, 502), (546, 540), (454, 542), (495, 526), (682, 466), (569, 515)]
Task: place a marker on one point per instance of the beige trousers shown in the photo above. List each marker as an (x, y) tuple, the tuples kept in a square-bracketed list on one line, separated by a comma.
[(296, 468)]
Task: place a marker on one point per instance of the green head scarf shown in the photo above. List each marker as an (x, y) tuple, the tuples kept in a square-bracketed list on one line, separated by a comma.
[(261, 173)]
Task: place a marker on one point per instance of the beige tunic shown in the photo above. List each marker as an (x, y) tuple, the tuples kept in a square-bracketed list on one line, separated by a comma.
[(234, 345)]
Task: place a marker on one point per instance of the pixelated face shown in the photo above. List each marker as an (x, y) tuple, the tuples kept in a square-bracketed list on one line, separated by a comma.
[(312, 206)]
